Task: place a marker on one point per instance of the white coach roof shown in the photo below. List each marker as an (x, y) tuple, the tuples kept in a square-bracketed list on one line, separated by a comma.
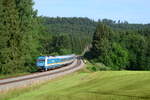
[(64, 56)]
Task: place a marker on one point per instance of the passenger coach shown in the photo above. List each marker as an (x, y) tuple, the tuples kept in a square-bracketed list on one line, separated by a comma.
[(50, 62)]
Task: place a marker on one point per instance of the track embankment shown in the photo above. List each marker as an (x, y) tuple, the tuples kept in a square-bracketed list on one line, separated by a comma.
[(36, 78)]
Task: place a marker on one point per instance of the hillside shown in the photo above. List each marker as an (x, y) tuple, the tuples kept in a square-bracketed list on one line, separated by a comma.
[(77, 32), (104, 85)]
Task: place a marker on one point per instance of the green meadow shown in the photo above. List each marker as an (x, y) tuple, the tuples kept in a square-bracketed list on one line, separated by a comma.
[(84, 85)]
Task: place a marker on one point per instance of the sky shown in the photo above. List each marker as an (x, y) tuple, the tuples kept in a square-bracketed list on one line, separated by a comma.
[(133, 11)]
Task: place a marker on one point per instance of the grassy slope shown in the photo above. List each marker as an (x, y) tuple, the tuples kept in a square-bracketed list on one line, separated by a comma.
[(108, 85)]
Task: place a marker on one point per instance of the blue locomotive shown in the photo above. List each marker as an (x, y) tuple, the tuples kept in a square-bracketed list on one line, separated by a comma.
[(50, 62)]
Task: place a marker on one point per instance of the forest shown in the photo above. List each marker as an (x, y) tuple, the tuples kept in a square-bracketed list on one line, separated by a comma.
[(120, 46), (68, 35), (24, 36)]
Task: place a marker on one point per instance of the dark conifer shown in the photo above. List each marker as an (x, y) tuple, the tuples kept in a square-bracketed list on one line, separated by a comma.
[(29, 27), (10, 37)]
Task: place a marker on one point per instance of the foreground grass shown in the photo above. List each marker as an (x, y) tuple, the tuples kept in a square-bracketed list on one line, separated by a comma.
[(103, 85)]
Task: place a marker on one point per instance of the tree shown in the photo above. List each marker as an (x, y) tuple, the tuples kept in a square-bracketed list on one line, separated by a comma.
[(60, 44), (10, 37), (119, 57), (106, 50), (18, 44), (100, 41), (147, 58), (29, 27), (136, 45)]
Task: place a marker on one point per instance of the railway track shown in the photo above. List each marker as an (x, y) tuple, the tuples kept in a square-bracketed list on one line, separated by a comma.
[(22, 81)]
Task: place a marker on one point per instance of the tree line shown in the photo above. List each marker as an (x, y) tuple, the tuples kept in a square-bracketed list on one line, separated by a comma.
[(121, 46)]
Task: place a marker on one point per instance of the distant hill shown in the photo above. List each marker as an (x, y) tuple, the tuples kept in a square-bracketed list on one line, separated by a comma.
[(79, 30)]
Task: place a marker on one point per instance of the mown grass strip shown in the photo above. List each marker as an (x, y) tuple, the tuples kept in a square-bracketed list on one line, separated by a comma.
[(102, 85)]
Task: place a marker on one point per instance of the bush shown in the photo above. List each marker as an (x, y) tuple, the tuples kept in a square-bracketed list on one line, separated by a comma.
[(102, 67)]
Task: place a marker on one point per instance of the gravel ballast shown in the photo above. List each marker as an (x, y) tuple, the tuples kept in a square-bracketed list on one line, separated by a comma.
[(36, 78)]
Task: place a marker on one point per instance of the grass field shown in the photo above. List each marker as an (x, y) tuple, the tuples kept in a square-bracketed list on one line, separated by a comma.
[(102, 85)]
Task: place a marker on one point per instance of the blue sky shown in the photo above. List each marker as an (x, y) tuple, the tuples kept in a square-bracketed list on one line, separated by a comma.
[(134, 11)]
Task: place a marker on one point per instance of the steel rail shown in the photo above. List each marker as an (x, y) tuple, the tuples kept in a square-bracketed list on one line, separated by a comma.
[(39, 76)]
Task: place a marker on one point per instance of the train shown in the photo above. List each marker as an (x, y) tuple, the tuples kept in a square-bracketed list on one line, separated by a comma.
[(51, 62)]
